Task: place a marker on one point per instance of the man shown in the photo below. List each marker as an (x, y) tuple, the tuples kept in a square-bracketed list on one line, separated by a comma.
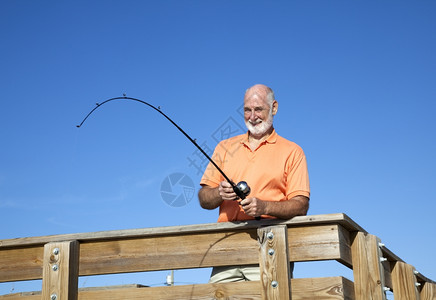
[(274, 168)]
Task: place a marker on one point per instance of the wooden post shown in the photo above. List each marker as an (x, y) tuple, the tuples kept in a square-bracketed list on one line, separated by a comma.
[(404, 281), (428, 291), (368, 271), (60, 271), (274, 263)]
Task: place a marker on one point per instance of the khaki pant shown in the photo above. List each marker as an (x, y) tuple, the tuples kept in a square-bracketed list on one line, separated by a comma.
[(238, 273)]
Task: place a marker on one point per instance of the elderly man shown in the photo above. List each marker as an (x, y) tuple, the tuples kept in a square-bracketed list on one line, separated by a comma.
[(274, 168)]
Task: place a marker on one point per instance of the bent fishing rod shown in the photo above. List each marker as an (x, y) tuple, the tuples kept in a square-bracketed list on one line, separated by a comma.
[(241, 189)]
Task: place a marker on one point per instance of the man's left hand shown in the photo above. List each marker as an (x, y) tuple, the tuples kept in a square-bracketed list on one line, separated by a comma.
[(253, 206)]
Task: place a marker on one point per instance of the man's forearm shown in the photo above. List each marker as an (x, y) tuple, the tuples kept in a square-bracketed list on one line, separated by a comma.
[(296, 206), (209, 197)]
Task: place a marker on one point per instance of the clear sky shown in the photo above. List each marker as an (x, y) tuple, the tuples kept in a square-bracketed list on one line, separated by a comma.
[(355, 82)]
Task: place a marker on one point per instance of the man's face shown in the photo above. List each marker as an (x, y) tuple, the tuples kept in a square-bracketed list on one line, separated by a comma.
[(258, 115)]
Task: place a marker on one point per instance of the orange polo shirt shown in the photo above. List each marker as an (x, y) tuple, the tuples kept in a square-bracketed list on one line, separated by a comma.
[(275, 171)]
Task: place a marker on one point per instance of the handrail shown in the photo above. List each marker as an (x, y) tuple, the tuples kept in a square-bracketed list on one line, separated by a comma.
[(337, 237), (339, 218)]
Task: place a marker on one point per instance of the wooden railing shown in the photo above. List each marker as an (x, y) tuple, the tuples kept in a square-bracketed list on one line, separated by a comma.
[(59, 261)]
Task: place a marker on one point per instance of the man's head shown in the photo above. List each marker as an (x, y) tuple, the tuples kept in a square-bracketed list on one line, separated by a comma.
[(259, 109)]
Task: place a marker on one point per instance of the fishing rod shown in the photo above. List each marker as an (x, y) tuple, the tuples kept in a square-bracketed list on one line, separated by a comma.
[(241, 189)]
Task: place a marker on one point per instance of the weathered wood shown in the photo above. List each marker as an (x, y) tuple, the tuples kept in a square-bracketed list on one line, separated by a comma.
[(275, 275), (183, 250), (344, 238), (421, 278), (367, 268), (61, 270), (428, 291), (141, 254), (323, 237), (329, 288), (169, 252), (21, 263), (22, 296), (311, 220), (322, 288), (404, 281), (322, 242)]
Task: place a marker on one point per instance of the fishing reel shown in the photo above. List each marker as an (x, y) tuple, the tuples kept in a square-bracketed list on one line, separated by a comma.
[(241, 189)]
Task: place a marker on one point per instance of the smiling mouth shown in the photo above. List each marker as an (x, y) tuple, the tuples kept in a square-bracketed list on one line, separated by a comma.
[(255, 123)]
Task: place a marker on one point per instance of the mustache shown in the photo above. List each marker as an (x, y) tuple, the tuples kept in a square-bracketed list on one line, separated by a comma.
[(255, 122)]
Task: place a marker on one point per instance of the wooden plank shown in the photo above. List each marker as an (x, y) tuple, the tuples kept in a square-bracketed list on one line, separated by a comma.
[(322, 242), (428, 291), (142, 254), (152, 253), (21, 263), (310, 220), (37, 294), (344, 247), (404, 281), (203, 250), (234, 290), (367, 268), (322, 288), (169, 252), (22, 296), (61, 270), (386, 265), (275, 273), (328, 288)]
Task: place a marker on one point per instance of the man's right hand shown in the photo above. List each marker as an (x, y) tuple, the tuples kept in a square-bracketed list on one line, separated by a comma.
[(211, 198), (226, 191)]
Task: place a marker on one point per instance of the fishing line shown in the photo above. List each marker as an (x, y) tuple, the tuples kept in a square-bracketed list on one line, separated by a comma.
[(241, 189)]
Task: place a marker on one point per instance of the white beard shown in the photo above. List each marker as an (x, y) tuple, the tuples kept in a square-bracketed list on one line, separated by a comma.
[(259, 127)]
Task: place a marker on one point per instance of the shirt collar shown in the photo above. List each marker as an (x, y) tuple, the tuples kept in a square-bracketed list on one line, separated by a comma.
[(270, 140)]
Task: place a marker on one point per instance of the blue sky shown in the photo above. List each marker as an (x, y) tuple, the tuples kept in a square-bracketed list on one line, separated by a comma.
[(355, 82)]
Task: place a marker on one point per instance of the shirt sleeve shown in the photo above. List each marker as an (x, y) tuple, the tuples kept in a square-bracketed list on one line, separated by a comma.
[(211, 176), (297, 177)]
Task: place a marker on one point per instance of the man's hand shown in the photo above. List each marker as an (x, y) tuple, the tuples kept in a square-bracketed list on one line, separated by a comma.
[(211, 198), (226, 191), (253, 206), (287, 209)]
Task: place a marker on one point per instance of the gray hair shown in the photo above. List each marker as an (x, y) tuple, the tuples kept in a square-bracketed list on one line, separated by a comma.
[(269, 94)]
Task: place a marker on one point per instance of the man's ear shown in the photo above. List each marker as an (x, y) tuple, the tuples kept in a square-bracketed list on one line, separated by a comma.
[(275, 107)]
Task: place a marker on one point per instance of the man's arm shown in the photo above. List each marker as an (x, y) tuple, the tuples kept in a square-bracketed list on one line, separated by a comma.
[(211, 198), (296, 206)]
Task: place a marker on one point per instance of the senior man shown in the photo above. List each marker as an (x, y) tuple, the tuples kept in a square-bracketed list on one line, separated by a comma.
[(274, 168)]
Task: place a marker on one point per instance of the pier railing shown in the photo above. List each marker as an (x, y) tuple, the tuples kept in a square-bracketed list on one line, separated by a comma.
[(60, 259)]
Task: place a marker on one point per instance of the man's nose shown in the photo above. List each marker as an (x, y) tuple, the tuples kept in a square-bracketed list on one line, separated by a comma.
[(253, 116), (249, 114)]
